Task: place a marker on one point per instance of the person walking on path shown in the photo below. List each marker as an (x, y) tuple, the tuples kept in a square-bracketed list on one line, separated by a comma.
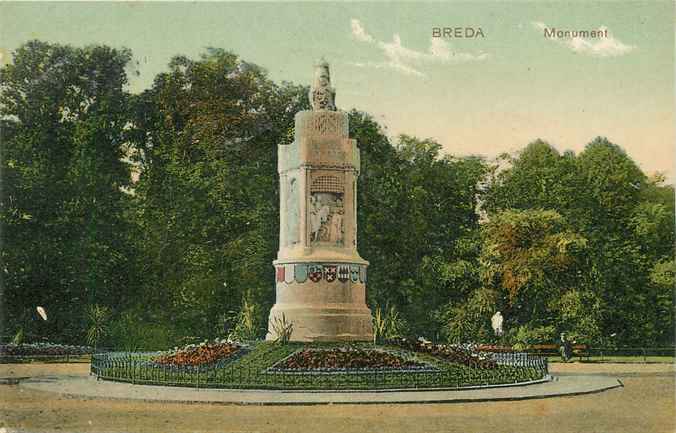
[(565, 348)]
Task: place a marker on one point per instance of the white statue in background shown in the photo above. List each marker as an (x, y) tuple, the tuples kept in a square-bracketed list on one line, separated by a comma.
[(496, 323)]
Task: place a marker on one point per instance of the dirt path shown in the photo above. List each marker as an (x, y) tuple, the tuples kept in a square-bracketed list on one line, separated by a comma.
[(645, 404)]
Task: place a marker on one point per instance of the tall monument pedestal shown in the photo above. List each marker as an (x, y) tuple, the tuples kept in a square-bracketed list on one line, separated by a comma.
[(321, 279)]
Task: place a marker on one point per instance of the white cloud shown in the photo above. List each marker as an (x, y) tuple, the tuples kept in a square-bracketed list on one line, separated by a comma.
[(408, 61), (607, 46), (359, 32)]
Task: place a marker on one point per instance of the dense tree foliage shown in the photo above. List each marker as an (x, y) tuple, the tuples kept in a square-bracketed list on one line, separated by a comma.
[(64, 215), (207, 201), (416, 211), (626, 219), (161, 210)]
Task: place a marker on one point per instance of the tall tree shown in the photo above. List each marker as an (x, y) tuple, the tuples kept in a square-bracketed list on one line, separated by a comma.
[(207, 135), (416, 211), (626, 218), (64, 234), (538, 177)]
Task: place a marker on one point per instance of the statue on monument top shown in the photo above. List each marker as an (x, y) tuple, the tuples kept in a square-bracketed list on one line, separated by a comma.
[(322, 95)]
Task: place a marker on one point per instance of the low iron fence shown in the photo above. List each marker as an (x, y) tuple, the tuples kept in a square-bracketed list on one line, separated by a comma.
[(645, 354), (590, 353), (9, 357), (138, 368), (521, 359), (603, 354)]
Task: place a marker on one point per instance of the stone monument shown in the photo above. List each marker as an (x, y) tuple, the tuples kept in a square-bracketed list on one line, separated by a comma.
[(320, 277)]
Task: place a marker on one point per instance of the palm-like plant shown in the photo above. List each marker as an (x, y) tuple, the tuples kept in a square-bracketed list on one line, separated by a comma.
[(282, 329), (18, 337), (378, 325), (98, 316), (248, 325), (387, 325)]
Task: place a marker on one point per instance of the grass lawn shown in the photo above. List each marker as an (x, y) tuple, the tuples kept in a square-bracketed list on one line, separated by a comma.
[(251, 371)]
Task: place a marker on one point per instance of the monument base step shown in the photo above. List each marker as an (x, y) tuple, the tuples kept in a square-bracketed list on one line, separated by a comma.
[(314, 324)]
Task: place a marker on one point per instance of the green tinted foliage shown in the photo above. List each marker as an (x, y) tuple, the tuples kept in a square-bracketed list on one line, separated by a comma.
[(530, 254), (579, 315), (470, 320), (388, 324), (98, 318), (65, 236), (539, 177), (133, 330), (207, 135), (581, 244), (626, 218), (414, 207), (613, 182), (250, 324), (526, 335), (662, 293)]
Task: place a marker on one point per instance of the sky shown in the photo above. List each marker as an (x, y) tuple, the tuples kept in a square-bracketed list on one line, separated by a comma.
[(474, 95)]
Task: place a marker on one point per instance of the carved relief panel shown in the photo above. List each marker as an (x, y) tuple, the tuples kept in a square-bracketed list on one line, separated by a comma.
[(326, 210), (292, 207)]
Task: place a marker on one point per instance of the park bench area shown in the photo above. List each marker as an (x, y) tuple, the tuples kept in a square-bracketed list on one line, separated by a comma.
[(581, 351), (587, 353)]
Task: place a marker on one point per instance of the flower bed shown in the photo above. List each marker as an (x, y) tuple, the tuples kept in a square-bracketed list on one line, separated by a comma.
[(202, 354), (461, 354), (345, 359), (43, 349), (260, 366)]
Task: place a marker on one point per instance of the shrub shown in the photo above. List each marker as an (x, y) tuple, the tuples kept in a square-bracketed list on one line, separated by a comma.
[(99, 322), (130, 332), (249, 325), (388, 325), (580, 316), (470, 320), (527, 335), (51, 349), (282, 329), (18, 337)]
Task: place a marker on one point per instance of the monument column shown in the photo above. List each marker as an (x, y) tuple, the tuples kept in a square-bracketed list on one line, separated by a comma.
[(320, 277)]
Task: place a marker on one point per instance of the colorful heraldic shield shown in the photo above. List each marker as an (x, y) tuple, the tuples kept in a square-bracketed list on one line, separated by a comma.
[(343, 273), (300, 272), (330, 273), (288, 273), (354, 273), (280, 274), (315, 273)]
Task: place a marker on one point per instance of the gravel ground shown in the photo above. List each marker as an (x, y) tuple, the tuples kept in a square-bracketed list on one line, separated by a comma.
[(646, 404)]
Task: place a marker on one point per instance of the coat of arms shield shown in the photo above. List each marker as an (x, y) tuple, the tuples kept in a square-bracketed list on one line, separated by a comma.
[(314, 273), (288, 273), (330, 273), (343, 273), (300, 272), (354, 273), (362, 274)]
